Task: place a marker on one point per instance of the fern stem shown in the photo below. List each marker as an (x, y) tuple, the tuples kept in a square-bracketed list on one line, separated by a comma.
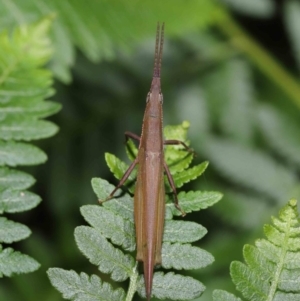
[(260, 57), (133, 283)]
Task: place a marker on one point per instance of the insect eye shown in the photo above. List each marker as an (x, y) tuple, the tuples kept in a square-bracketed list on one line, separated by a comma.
[(148, 97), (161, 98)]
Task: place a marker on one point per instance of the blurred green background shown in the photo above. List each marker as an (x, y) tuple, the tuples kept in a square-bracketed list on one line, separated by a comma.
[(230, 67)]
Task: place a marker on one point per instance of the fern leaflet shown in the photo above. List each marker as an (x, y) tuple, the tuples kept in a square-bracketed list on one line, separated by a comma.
[(272, 268), (24, 86)]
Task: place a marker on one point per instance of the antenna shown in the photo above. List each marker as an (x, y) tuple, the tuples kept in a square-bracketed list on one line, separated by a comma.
[(158, 49)]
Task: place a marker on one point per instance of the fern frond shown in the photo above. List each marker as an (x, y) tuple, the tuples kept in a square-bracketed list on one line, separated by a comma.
[(109, 240), (24, 86), (272, 268), (90, 27), (176, 157), (250, 168)]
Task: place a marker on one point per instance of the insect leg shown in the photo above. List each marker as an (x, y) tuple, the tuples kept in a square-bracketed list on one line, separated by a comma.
[(172, 184)]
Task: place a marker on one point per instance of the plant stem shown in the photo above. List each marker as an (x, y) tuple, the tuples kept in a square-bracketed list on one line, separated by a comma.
[(133, 283), (262, 58)]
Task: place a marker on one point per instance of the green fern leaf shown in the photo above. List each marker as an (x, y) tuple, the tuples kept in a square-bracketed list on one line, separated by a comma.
[(180, 163), (102, 188), (24, 85), (249, 281), (100, 252), (12, 262), (250, 168), (174, 158), (190, 174), (82, 287), (120, 205), (280, 132), (110, 225), (183, 231), (89, 29), (16, 179), (21, 107), (184, 256), (255, 258), (271, 271), (220, 295), (173, 153), (238, 98), (172, 286), (26, 129), (256, 8), (281, 296), (195, 201), (12, 201), (28, 48), (177, 132), (131, 150), (11, 231), (117, 167), (18, 153)]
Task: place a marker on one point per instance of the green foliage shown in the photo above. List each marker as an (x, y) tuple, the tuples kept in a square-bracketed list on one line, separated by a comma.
[(118, 168), (82, 287), (98, 29), (273, 124), (100, 252), (257, 8), (13, 262), (18, 153), (272, 267), (242, 163), (292, 21), (112, 225), (173, 286), (24, 86), (12, 201), (218, 82), (219, 295)]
